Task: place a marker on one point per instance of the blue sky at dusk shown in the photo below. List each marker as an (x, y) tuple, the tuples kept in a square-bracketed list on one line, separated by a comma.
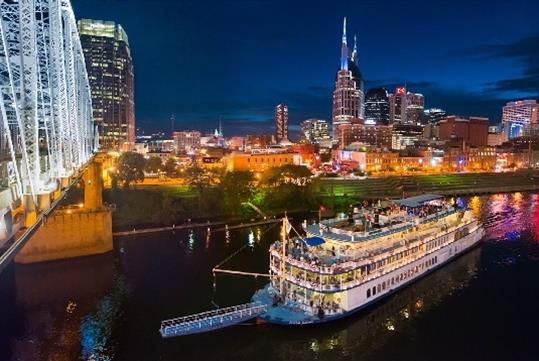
[(238, 59)]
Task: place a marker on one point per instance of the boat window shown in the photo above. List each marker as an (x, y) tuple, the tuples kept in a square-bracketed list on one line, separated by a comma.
[(373, 291), (368, 293)]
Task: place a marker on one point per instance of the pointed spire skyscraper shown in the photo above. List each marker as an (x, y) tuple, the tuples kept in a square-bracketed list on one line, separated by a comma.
[(348, 94)]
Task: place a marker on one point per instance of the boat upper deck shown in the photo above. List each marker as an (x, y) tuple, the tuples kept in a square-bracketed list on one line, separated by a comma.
[(369, 223)]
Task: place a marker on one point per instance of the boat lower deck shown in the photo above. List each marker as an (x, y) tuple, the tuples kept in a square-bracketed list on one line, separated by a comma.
[(288, 313)]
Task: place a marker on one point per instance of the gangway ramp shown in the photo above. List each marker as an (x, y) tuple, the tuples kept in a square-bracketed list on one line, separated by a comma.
[(211, 320)]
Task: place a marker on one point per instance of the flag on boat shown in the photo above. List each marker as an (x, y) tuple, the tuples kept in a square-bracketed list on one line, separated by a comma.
[(285, 227)]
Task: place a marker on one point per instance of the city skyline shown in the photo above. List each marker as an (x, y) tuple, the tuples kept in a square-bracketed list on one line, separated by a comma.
[(472, 69)]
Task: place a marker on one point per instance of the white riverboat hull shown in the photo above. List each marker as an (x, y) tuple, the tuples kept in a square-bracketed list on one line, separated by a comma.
[(386, 284)]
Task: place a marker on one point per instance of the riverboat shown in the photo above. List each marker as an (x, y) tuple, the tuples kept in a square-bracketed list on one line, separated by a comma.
[(345, 264)]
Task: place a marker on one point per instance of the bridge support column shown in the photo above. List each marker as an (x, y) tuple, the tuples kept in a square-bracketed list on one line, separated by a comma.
[(30, 210), (93, 187), (72, 231), (64, 182)]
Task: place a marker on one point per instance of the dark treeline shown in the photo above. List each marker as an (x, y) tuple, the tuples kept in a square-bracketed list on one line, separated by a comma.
[(212, 193)]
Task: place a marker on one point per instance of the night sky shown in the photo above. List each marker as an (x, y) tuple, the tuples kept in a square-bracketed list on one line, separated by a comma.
[(202, 59)]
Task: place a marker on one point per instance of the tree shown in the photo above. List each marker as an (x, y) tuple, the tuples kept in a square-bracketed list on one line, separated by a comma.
[(237, 188), (197, 177), (288, 187), (290, 173), (202, 179), (153, 165), (170, 167), (130, 169)]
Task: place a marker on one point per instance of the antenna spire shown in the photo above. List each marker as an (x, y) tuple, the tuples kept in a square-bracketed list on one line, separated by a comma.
[(344, 48), (354, 52), (220, 125)]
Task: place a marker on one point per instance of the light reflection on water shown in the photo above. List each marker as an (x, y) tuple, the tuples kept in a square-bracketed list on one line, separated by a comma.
[(191, 241), (122, 297)]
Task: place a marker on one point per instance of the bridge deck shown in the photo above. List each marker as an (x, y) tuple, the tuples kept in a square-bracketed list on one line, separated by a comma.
[(211, 320)]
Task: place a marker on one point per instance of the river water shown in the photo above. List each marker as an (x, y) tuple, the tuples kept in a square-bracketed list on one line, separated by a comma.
[(482, 306)]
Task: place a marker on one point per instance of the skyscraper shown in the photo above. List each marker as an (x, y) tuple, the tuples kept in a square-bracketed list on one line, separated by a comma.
[(281, 123), (348, 95), (377, 107), (406, 107), (110, 72), (415, 106), (397, 106)]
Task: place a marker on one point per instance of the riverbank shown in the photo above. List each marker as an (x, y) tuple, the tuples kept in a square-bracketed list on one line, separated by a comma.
[(164, 206), (223, 225), (447, 184)]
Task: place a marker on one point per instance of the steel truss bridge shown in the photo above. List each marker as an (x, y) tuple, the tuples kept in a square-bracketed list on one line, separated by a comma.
[(47, 133)]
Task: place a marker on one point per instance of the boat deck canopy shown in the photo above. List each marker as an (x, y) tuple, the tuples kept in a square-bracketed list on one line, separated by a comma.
[(418, 201), (314, 241)]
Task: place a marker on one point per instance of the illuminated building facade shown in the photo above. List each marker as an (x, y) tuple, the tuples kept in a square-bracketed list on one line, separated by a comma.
[(110, 71), (357, 132), (495, 135), (259, 161), (281, 123), (434, 115), (314, 130), (519, 117), (367, 160), (458, 158), (377, 107), (186, 140), (405, 135), (415, 106), (348, 95), (258, 141), (406, 107)]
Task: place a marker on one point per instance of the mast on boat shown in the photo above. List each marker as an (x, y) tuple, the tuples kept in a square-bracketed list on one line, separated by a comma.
[(284, 241)]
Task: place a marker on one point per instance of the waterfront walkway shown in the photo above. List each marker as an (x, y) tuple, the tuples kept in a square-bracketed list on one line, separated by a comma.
[(223, 225)]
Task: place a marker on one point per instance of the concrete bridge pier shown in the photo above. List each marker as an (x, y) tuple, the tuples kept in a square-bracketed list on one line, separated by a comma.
[(33, 209), (75, 230)]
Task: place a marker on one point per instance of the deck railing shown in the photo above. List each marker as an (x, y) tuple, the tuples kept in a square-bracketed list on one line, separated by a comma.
[(339, 234), (341, 266)]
